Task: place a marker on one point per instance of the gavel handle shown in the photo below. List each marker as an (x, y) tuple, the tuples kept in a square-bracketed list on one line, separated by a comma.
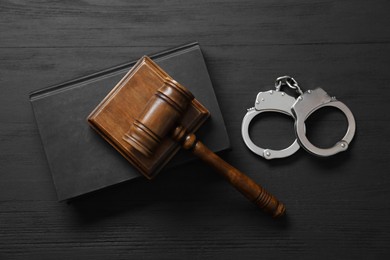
[(240, 181)]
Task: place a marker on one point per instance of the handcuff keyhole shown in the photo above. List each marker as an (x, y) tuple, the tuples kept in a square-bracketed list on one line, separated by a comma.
[(272, 130), (326, 126)]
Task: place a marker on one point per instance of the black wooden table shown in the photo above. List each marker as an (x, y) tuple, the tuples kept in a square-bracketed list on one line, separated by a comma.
[(338, 207)]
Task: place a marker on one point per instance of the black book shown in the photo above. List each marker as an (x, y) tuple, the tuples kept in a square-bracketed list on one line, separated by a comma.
[(80, 160)]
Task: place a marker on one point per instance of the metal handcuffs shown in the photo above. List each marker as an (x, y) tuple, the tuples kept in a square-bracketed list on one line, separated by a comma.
[(299, 109)]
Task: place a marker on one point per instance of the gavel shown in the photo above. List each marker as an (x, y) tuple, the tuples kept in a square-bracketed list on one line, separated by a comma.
[(161, 118)]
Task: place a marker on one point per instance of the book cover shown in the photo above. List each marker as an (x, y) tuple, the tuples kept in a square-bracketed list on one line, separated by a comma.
[(80, 160)]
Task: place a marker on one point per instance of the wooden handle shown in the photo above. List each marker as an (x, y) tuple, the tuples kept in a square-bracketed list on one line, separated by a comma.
[(240, 181)]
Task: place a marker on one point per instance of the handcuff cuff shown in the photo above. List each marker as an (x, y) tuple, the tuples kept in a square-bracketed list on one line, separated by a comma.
[(299, 109)]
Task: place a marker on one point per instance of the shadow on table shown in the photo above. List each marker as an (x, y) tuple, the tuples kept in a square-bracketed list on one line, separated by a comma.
[(185, 194)]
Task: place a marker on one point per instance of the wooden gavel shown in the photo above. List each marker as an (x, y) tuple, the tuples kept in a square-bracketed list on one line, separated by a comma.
[(161, 118)]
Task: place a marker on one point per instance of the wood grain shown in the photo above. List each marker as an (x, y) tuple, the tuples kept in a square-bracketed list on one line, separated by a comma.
[(241, 182), (338, 207), (116, 114)]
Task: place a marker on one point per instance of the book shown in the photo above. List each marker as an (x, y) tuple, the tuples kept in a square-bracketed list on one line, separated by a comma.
[(80, 161)]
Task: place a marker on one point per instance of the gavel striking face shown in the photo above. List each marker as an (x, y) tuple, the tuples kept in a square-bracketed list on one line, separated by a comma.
[(161, 118)]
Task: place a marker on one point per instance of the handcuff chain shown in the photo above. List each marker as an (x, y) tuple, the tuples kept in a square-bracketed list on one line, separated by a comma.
[(290, 82)]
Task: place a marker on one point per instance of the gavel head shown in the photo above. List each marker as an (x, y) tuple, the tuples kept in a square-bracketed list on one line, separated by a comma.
[(159, 118)]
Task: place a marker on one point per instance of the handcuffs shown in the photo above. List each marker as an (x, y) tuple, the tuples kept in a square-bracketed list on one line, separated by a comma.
[(299, 109)]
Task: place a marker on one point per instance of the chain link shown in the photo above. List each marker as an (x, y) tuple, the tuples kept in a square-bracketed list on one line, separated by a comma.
[(290, 82)]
